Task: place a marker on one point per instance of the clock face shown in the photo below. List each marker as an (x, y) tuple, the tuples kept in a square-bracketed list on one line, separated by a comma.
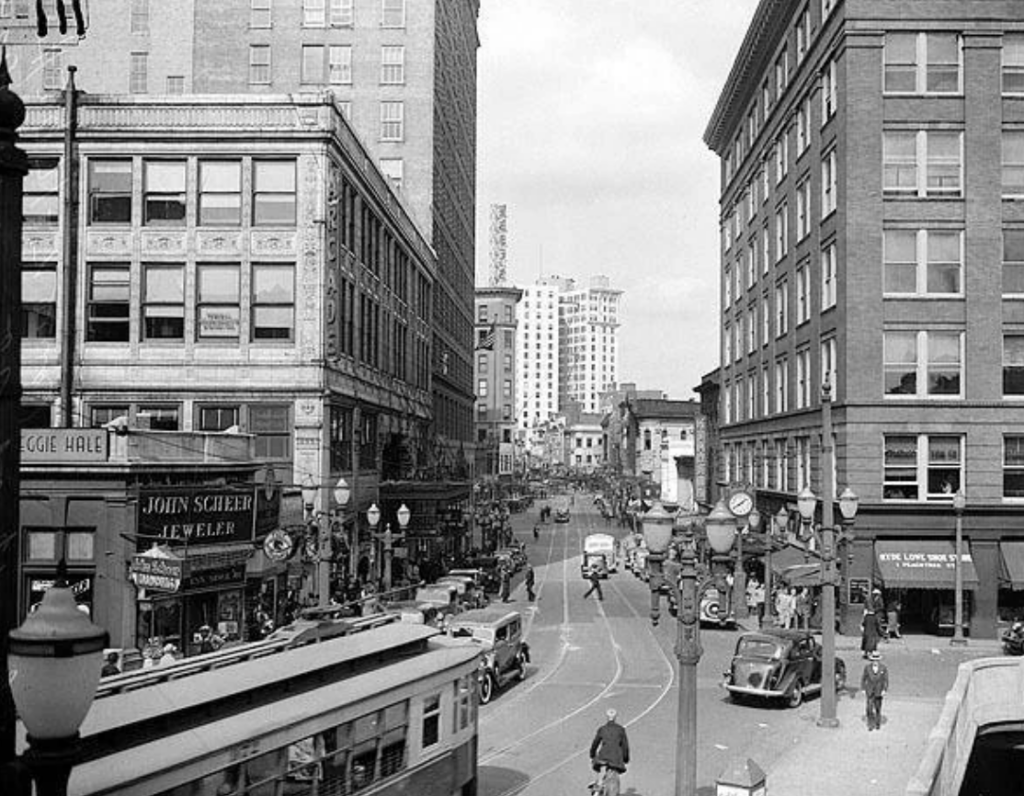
[(740, 504)]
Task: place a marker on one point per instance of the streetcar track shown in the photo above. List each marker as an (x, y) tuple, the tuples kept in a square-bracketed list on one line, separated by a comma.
[(663, 689)]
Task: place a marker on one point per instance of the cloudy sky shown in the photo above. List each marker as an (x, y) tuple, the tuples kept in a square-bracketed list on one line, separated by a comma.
[(591, 119)]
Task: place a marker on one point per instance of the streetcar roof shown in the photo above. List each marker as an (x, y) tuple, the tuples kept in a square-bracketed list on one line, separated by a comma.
[(172, 760)]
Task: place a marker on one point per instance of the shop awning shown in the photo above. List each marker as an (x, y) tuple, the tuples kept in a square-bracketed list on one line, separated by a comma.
[(922, 564), (1011, 555)]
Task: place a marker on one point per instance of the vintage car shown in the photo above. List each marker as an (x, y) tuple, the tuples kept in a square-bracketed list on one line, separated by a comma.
[(470, 594), (500, 636), (778, 664)]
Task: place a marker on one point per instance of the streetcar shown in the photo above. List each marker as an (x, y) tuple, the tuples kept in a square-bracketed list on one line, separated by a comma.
[(386, 711)]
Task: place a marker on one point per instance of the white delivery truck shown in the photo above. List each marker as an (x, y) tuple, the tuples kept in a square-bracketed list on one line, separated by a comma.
[(599, 550)]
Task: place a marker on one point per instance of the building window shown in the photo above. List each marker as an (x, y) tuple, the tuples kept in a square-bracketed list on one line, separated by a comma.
[(39, 300), (727, 353), (41, 203), (781, 308), (273, 302), (101, 415), (342, 14), (781, 73), (922, 63), (160, 417), (781, 466), (1013, 365), (392, 120), (392, 64), (803, 293), (1013, 262), (163, 302), (728, 286), (1013, 163), (53, 70), (1013, 63), (923, 364), (781, 231), (766, 393), (829, 92), (109, 304), (506, 390), (803, 379), (766, 320), (138, 73), (217, 418), (175, 84), (922, 467), (259, 64), (922, 262), (217, 294), (260, 14), (922, 163), (481, 388), (803, 34), (340, 67), (220, 193), (1013, 466), (139, 16), (271, 424), (829, 372), (481, 363), (751, 329), (803, 209), (164, 192), (273, 200), (803, 462), (781, 156), (312, 69), (828, 184), (313, 14), (392, 14), (782, 385), (110, 191), (828, 276)]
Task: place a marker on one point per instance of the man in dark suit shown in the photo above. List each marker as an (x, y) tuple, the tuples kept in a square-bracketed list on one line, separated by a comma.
[(874, 682)]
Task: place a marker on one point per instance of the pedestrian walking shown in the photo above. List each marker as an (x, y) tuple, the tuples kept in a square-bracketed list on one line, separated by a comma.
[(759, 601), (803, 609), (874, 682), (785, 607), (506, 584), (609, 753), (529, 583), (870, 631), (892, 628), (536, 532), (595, 583)]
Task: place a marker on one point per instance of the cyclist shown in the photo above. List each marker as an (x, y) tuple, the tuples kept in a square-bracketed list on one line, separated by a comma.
[(609, 755)]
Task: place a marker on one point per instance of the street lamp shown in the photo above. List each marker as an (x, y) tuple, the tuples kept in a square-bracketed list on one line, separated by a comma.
[(848, 503), (54, 661), (959, 503), (720, 529), (373, 518), (403, 522), (806, 503)]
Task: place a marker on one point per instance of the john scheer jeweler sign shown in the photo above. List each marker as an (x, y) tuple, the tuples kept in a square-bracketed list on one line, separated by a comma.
[(197, 516)]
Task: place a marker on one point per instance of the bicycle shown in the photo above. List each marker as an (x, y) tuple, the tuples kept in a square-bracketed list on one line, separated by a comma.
[(606, 784)]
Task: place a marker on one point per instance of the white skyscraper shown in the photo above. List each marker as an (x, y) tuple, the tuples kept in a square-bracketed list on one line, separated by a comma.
[(567, 348)]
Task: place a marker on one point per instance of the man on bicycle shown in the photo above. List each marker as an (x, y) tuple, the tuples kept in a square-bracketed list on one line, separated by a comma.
[(609, 754)]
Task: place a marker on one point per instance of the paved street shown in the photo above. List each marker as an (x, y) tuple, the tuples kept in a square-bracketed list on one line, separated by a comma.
[(589, 655)]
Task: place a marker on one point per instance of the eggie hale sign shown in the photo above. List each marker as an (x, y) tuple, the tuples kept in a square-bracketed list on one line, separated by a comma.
[(197, 516)]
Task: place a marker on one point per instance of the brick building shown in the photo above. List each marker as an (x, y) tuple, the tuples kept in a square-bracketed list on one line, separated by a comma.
[(495, 374), (872, 156)]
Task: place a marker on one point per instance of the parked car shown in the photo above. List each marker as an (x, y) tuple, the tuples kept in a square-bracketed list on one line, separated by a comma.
[(500, 636), (470, 594), (778, 664)]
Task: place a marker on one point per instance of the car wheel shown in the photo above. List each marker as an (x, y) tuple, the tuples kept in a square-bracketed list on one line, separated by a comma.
[(487, 686), (795, 695), (521, 663)]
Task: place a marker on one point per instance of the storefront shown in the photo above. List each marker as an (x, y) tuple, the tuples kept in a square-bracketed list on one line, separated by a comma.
[(920, 575)]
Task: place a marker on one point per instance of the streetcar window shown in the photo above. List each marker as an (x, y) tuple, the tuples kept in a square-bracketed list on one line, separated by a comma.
[(463, 702), (431, 720)]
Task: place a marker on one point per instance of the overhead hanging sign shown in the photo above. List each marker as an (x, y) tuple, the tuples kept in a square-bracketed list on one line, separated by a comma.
[(196, 516)]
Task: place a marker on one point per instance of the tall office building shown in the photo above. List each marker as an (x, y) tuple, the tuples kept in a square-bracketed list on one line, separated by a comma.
[(872, 166), (537, 355), (588, 356), (403, 73)]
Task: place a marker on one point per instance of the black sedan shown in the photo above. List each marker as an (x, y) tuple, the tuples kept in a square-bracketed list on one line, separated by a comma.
[(778, 664)]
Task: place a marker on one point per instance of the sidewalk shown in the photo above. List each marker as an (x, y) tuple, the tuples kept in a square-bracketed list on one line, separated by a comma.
[(850, 761)]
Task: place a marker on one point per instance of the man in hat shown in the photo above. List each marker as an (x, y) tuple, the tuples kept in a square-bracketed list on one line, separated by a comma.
[(609, 753), (874, 682)]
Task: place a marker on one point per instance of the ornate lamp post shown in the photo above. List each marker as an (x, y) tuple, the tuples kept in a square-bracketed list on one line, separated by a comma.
[(54, 660), (373, 519), (720, 528), (959, 503), (403, 522), (825, 534)]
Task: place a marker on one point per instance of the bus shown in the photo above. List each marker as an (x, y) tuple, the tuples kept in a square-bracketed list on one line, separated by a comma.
[(389, 710)]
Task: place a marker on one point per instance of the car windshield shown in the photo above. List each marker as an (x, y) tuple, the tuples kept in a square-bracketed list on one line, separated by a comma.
[(759, 648), (477, 632)]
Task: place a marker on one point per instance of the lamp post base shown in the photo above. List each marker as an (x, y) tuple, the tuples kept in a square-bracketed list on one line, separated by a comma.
[(830, 724), (958, 641)]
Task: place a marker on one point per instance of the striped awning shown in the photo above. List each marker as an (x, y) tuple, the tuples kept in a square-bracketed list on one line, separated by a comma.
[(1011, 564)]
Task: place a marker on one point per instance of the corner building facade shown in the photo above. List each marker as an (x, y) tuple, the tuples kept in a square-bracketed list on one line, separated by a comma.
[(872, 165)]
